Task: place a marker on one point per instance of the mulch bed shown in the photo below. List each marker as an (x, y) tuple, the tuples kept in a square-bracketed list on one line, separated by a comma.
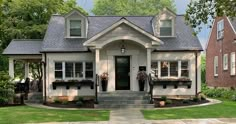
[(72, 104), (178, 103), (11, 105)]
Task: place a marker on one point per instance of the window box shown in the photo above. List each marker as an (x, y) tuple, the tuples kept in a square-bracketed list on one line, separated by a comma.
[(173, 82), (75, 83)]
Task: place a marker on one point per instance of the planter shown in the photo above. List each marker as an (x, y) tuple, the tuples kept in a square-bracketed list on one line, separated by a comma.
[(173, 82), (104, 85), (162, 103), (141, 85)]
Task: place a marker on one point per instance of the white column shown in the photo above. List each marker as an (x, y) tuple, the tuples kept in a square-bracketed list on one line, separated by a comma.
[(97, 59), (11, 67), (26, 69), (148, 64)]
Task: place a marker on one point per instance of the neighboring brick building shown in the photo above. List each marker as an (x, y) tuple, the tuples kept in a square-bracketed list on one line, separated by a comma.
[(220, 54)]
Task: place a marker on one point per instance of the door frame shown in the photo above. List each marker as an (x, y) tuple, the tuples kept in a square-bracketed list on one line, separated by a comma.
[(128, 57)]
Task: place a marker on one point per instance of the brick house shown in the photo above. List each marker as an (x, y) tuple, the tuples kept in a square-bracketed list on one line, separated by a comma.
[(220, 54)]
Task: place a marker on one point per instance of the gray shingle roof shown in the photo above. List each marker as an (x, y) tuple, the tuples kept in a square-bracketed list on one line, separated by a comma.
[(54, 39), (24, 46)]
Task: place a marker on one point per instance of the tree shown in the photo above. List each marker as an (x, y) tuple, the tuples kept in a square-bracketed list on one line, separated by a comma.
[(6, 88), (131, 7), (28, 19), (203, 11), (203, 68)]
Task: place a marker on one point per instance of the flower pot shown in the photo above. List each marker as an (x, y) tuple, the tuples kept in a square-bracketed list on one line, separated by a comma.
[(141, 85), (104, 85), (162, 103)]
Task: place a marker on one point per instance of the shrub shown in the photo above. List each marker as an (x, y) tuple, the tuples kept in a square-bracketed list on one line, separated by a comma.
[(81, 99), (57, 101), (6, 88), (64, 102), (196, 99), (234, 97), (79, 103), (163, 98), (168, 101), (185, 101)]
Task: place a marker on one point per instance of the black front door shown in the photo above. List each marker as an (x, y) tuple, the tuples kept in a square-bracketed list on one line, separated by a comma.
[(122, 68)]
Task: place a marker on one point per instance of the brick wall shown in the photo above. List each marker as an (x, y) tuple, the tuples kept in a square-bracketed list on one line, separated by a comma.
[(219, 48)]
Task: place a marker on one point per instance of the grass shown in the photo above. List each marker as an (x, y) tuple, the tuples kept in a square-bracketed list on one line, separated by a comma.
[(26, 114), (222, 110)]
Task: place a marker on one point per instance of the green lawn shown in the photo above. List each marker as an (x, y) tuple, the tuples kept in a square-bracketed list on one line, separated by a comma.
[(26, 114), (227, 109)]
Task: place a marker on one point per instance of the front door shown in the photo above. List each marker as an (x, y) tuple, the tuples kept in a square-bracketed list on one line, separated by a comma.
[(122, 69)]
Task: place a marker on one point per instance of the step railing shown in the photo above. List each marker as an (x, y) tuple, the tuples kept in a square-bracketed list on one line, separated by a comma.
[(150, 82), (96, 88)]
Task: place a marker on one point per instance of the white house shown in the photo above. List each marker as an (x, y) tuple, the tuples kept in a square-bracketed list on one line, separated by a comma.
[(77, 47)]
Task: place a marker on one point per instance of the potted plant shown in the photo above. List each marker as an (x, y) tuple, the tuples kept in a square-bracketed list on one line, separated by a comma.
[(162, 103), (104, 80), (141, 77)]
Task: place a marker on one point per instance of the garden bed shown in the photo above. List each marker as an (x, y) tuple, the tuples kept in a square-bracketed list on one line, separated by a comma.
[(11, 105), (178, 102), (72, 104)]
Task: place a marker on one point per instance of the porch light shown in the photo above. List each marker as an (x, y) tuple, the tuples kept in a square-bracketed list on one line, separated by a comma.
[(122, 48)]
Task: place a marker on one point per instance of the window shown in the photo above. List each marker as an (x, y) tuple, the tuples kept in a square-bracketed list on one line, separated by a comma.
[(58, 70), (184, 69), (220, 29), (69, 69), (154, 67), (73, 70), (225, 62), (79, 69), (89, 70), (170, 68), (75, 28), (174, 69), (165, 27), (216, 66), (232, 61), (164, 68)]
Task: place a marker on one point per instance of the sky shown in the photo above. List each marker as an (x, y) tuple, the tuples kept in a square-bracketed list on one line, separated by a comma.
[(181, 6)]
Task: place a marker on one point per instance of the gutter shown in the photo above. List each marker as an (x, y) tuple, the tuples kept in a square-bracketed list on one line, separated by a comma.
[(45, 93), (196, 75)]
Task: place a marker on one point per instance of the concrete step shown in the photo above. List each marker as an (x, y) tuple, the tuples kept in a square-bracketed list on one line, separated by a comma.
[(124, 102), (103, 98), (123, 93), (124, 106)]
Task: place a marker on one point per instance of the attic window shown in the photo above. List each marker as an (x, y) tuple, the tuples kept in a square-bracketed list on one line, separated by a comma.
[(220, 29), (75, 28), (165, 27)]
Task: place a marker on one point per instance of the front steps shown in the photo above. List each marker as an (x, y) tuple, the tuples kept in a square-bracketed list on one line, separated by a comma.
[(124, 99)]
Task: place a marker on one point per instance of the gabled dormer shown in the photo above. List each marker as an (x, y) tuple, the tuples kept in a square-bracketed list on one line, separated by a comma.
[(76, 24), (164, 23)]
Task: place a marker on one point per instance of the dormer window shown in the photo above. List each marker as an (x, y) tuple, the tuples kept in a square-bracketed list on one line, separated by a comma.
[(220, 29), (75, 28), (165, 27)]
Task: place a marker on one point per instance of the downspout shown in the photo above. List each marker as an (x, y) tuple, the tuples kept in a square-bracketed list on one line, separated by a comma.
[(45, 93), (196, 73)]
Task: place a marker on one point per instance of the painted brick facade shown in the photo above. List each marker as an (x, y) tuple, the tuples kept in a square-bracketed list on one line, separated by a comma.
[(219, 48)]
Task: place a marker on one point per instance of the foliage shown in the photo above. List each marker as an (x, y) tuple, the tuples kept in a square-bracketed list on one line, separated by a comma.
[(26, 114), (57, 101), (202, 11), (64, 102), (131, 7), (218, 93), (80, 102), (6, 88), (196, 99), (203, 68), (28, 19), (104, 76), (226, 109), (168, 101), (163, 98), (186, 101)]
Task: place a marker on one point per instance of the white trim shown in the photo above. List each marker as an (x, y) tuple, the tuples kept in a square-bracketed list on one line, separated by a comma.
[(216, 64), (220, 23), (86, 43), (74, 11), (231, 25), (225, 62), (81, 26), (232, 64)]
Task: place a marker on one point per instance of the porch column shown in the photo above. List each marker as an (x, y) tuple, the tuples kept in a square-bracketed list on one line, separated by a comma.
[(26, 69), (97, 59), (11, 67), (148, 64)]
